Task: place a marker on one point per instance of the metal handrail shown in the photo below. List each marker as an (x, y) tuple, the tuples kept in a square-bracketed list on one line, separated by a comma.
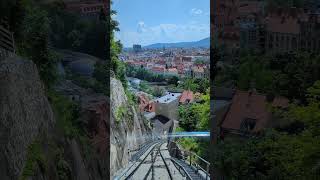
[(181, 167), (192, 161)]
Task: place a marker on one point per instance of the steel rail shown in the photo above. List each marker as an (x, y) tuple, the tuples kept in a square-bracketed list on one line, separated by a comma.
[(153, 160), (136, 168), (163, 159), (165, 163)]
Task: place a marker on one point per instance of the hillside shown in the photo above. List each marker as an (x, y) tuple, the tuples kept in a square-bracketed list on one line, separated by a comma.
[(201, 43)]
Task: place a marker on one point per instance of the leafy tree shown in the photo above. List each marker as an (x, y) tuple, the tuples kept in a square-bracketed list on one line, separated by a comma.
[(173, 80), (158, 91), (202, 112), (187, 118), (145, 87), (199, 61), (34, 43), (144, 74), (189, 84), (195, 116), (275, 155), (313, 93), (203, 85)]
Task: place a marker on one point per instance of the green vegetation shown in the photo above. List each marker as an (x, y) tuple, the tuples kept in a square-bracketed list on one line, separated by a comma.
[(120, 113), (118, 67), (67, 114), (143, 86), (289, 150), (39, 28), (199, 61), (133, 100), (32, 40), (73, 32), (189, 84), (288, 75), (173, 81), (63, 167), (144, 74), (158, 91), (35, 159), (195, 117), (195, 84)]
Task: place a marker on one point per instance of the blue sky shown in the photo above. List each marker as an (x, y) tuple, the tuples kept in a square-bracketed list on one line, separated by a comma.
[(161, 21)]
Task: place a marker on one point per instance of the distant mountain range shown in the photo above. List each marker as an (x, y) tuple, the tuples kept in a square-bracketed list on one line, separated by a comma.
[(202, 43)]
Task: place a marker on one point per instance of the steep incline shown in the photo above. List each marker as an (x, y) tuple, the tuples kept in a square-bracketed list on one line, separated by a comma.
[(24, 113), (127, 127)]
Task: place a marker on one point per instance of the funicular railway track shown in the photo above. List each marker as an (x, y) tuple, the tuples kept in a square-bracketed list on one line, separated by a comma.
[(157, 160), (145, 169)]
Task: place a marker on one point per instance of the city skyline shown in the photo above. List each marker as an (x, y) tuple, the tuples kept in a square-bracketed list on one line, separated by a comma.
[(162, 22)]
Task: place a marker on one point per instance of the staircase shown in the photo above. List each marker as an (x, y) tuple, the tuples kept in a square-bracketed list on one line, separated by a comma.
[(191, 173)]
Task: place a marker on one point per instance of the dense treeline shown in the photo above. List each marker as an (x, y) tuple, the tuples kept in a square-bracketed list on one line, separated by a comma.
[(288, 75), (30, 24), (289, 150), (144, 74), (38, 29)]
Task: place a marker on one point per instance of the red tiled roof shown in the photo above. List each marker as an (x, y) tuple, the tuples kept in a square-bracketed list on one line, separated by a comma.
[(151, 107), (158, 69), (247, 105), (186, 96), (173, 70)]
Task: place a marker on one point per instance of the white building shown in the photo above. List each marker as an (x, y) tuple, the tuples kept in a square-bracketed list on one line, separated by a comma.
[(168, 105)]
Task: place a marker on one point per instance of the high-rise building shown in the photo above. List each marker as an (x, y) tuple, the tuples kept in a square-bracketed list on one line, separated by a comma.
[(137, 48)]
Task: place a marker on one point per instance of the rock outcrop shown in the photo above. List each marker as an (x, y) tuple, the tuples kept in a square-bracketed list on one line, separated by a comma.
[(96, 114), (127, 128), (77, 62), (25, 113), (95, 117)]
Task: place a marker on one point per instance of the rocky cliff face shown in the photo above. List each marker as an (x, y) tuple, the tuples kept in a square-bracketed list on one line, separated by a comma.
[(26, 116), (25, 113), (127, 130), (96, 113)]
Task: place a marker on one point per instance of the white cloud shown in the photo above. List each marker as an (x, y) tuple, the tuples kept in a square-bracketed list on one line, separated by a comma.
[(141, 27), (195, 11), (164, 33)]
